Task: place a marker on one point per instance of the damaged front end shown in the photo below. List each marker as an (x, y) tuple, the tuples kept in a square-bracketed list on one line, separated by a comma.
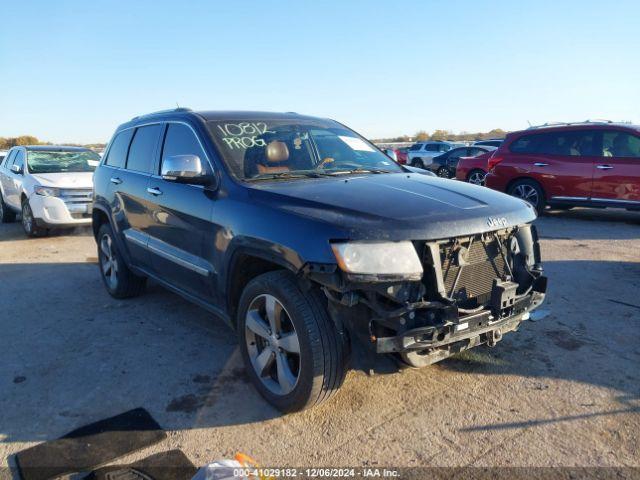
[(472, 290)]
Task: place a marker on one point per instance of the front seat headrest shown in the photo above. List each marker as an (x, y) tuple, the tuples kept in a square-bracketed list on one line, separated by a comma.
[(277, 152)]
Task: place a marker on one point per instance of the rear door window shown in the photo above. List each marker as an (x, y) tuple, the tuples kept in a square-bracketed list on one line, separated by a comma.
[(180, 140), (620, 144), (117, 155), (19, 159), (432, 147), (142, 153), (569, 143)]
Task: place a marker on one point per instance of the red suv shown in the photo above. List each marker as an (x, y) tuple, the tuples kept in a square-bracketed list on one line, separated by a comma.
[(590, 164)]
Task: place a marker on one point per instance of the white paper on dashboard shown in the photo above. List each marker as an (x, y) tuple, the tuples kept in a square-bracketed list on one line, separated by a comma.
[(356, 143)]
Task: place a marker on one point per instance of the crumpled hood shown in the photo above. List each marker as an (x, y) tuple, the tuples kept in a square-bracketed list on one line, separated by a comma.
[(397, 206), (65, 179)]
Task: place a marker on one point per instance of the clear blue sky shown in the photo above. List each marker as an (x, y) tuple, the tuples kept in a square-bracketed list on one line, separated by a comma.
[(73, 70)]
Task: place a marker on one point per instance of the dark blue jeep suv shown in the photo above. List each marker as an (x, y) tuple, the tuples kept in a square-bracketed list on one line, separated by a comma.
[(311, 243)]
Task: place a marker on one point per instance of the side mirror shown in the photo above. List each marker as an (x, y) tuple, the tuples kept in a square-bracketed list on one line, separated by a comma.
[(391, 154), (184, 169), (17, 169)]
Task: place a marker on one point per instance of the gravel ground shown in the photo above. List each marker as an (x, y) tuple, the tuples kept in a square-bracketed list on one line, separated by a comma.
[(563, 391)]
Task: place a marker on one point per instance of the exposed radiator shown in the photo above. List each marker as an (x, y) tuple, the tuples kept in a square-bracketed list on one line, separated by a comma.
[(469, 268)]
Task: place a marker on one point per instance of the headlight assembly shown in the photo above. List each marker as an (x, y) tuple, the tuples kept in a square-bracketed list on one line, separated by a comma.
[(47, 191), (389, 259)]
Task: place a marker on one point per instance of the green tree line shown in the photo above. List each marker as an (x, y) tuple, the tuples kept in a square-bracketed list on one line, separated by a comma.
[(7, 142)]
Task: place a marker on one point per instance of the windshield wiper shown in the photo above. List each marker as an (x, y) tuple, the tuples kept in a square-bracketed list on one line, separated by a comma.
[(358, 170), (294, 174)]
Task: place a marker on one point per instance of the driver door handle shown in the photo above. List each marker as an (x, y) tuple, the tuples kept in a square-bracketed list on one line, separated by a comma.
[(540, 164), (116, 180), (604, 167), (154, 191)]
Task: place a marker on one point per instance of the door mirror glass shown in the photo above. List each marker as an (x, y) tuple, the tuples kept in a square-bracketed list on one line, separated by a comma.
[(184, 169), (389, 152)]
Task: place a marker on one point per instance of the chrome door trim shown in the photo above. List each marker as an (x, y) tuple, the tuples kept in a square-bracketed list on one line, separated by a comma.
[(179, 257), (615, 200), (579, 199), (596, 199), (137, 237)]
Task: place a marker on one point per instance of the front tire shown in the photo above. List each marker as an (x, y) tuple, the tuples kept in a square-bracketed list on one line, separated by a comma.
[(120, 281), (6, 214), (29, 222), (292, 350), (529, 191)]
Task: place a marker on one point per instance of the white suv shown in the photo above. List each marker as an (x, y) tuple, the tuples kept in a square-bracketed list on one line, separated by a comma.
[(421, 154), (50, 186)]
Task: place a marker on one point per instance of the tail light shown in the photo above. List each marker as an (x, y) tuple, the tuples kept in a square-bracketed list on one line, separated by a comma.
[(494, 160)]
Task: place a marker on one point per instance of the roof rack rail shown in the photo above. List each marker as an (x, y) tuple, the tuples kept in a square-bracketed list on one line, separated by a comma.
[(565, 124), (170, 110)]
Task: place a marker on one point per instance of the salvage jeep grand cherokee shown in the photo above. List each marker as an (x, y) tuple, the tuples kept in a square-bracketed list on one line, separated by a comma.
[(295, 231)]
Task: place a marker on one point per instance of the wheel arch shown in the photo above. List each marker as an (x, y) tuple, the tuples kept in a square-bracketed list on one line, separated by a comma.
[(245, 264), (100, 216)]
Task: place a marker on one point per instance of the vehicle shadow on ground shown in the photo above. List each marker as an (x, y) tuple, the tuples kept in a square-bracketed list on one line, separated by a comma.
[(591, 335), (15, 232), (74, 355)]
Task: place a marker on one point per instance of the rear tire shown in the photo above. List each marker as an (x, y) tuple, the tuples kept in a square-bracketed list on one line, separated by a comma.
[(290, 380), (120, 281), (529, 191), (6, 214), (418, 163), (477, 177), (443, 172)]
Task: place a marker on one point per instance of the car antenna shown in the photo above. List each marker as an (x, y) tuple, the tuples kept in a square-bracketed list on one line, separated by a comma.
[(529, 123)]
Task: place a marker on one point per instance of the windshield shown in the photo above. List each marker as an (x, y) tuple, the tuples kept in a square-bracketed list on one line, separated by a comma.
[(42, 161), (257, 148)]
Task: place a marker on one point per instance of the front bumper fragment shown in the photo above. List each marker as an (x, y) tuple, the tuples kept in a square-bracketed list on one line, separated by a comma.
[(468, 327)]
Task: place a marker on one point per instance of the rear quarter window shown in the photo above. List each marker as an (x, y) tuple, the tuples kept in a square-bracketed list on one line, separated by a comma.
[(117, 154)]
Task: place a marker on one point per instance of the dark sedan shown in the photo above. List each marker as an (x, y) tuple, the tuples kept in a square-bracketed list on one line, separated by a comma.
[(445, 165)]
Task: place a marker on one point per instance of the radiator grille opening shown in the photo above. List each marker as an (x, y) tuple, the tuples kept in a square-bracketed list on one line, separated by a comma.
[(469, 268)]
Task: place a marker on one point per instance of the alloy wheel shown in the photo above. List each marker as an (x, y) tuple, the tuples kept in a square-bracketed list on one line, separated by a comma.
[(108, 262), (443, 172), (27, 218), (477, 178), (272, 344), (527, 193)]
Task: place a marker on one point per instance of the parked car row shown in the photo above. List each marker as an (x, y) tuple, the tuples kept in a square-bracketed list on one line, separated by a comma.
[(445, 165), (594, 164)]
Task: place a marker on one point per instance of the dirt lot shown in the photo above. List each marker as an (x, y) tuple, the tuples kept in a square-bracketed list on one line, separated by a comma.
[(562, 391)]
